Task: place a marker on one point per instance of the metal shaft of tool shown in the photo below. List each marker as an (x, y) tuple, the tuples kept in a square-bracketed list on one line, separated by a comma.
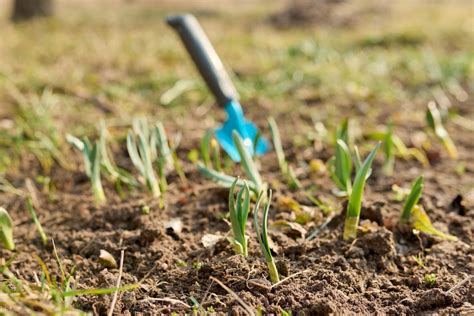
[(205, 57)]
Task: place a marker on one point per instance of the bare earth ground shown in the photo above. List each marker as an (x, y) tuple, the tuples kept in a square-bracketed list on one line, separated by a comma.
[(376, 273)]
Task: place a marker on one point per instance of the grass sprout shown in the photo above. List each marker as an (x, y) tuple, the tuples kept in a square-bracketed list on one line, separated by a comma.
[(355, 199), (285, 168), (141, 151), (210, 153), (434, 121), (39, 227), (399, 149), (6, 230), (48, 294), (92, 162), (340, 168), (205, 145), (262, 235), (412, 200), (116, 174), (239, 209), (415, 215), (247, 163), (388, 151), (163, 145)]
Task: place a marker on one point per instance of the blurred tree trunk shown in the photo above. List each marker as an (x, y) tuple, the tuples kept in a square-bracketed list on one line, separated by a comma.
[(28, 9)]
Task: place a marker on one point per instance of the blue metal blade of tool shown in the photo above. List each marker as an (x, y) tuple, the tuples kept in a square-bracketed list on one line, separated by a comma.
[(246, 129)]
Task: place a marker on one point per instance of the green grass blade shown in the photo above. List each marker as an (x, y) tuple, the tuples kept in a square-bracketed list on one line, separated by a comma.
[(39, 227), (239, 209), (163, 145), (262, 234), (205, 145), (434, 121), (343, 131), (276, 140), (343, 166), (412, 199), (95, 175), (6, 230), (133, 153), (355, 199), (388, 150)]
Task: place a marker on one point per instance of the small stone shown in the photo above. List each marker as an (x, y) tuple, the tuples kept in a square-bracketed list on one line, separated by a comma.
[(107, 260)]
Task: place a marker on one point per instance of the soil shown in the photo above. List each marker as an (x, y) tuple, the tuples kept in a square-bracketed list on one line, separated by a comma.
[(376, 273)]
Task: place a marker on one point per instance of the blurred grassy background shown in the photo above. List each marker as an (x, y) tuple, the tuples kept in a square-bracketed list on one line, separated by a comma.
[(116, 59)]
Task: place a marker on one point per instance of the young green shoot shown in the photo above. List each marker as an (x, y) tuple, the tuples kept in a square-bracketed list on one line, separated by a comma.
[(115, 174), (340, 168), (6, 230), (210, 153), (163, 146), (239, 208), (434, 121), (205, 145), (415, 215), (140, 150), (247, 163), (388, 151), (262, 235), (285, 168), (412, 200), (216, 155), (92, 162), (39, 227), (355, 199), (358, 162)]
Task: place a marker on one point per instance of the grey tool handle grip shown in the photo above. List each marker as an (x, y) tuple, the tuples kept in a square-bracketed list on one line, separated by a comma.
[(205, 57)]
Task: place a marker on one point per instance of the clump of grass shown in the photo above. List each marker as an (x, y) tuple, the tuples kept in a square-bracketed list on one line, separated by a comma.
[(355, 200), (92, 162), (6, 230), (141, 150), (166, 157), (285, 168), (239, 209), (430, 279), (48, 294), (435, 123), (148, 146), (116, 174), (262, 235)]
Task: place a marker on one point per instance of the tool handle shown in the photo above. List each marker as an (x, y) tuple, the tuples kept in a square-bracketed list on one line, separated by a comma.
[(205, 57)]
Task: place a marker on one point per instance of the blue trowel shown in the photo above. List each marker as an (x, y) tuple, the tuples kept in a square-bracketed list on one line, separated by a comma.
[(218, 81)]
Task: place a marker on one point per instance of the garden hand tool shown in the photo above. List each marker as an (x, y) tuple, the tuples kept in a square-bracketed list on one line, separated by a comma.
[(218, 81)]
